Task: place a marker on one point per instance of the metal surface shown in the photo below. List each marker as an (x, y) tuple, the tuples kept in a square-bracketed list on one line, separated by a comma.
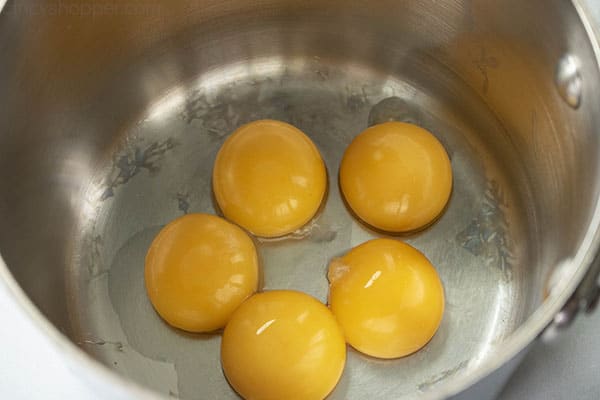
[(109, 125), (585, 299), (569, 81), (487, 295)]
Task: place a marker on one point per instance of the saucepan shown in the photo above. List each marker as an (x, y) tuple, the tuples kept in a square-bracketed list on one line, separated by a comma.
[(111, 114)]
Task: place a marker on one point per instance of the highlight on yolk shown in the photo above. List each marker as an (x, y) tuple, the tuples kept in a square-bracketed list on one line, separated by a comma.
[(387, 297), (396, 177), (269, 178), (283, 344), (199, 269)]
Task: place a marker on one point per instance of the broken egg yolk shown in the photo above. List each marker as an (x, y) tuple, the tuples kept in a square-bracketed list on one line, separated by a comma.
[(198, 270), (283, 344), (396, 177), (387, 297), (269, 178)]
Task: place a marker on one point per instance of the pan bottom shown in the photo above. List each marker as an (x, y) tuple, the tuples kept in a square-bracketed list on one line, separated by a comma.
[(162, 169)]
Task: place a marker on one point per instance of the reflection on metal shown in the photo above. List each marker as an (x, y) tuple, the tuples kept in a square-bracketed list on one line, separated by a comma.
[(569, 81), (130, 162), (486, 235)]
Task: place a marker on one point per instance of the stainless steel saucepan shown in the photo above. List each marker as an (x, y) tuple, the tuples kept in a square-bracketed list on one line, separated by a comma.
[(111, 114)]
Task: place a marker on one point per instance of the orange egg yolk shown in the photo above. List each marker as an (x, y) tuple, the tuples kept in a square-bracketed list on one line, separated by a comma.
[(387, 297), (198, 270), (396, 177), (269, 178), (283, 345)]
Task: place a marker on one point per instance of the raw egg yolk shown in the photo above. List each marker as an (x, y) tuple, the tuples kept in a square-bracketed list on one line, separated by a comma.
[(387, 297), (396, 177), (269, 178), (199, 269), (283, 344)]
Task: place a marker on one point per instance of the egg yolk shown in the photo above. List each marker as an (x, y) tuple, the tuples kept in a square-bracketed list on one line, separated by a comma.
[(396, 177), (269, 178), (387, 297), (283, 344), (199, 269)]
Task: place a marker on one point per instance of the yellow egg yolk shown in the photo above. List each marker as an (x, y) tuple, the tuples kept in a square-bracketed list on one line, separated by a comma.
[(199, 269), (283, 344), (269, 178), (387, 297), (396, 177)]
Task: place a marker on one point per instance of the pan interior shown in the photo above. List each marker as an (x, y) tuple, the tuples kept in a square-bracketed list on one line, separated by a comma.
[(111, 116), (160, 168)]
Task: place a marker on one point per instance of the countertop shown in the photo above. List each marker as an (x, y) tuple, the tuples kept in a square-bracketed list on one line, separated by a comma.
[(568, 368)]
